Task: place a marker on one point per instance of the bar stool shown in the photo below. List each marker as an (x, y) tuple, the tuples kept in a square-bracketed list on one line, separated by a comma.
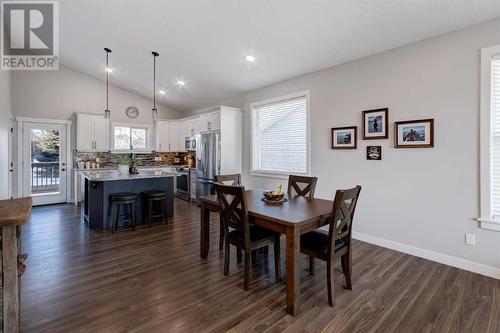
[(119, 199), (148, 211)]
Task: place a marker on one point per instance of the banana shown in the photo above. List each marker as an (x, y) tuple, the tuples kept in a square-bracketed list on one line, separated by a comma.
[(278, 190)]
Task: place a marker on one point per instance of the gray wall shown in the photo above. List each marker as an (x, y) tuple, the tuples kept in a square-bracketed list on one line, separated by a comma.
[(424, 198), (5, 109), (58, 94)]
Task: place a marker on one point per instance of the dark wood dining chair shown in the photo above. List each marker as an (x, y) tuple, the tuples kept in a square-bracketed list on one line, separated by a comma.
[(234, 211), (302, 186), (336, 242), (235, 180)]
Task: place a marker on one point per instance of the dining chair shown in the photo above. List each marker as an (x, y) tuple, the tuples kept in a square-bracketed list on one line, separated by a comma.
[(234, 211), (336, 242), (302, 186), (235, 180)]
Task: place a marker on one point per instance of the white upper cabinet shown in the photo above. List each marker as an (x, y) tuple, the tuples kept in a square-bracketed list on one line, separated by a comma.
[(175, 136), (162, 129), (214, 121), (209, 122), (189, 128), (197, 125), (92, 133), (101, 134), (170, 135), (84, 132)]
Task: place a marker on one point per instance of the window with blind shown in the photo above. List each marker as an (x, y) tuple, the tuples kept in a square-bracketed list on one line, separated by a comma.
[(490, 138), (280, 135)]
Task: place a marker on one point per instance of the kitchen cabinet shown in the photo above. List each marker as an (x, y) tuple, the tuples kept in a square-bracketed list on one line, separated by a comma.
[(163, 139), (175, 137), (169, 135), (189, 129), (209, 122), (92, 133)]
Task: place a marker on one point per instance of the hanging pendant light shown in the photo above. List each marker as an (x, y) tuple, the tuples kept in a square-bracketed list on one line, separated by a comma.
[(155, 111), (107, 113)]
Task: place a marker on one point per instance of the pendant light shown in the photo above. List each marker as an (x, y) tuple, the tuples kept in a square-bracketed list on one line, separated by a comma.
[(107, 113), (155, 111)]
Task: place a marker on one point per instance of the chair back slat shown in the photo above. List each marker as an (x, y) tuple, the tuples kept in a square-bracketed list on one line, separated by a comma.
[(233, 208), (233, 179), (295, 189), (342, 216)]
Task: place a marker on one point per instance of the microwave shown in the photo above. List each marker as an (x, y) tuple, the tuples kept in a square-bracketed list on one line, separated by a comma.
[(190, 143)]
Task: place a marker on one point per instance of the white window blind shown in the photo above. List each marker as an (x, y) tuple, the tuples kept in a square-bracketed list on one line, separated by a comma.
[(495, 137), (279, 131)]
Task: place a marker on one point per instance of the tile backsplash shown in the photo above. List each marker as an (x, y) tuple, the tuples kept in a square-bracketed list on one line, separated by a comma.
[(109, 160)]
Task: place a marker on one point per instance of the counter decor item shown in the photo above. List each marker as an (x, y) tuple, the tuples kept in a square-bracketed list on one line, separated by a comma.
[(414, 133), (134, 163), (124, 164), (375, 124), (276, 196)]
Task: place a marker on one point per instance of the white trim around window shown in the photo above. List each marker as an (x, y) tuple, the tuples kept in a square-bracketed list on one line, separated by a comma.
[(487, 218), (255, 170), (146, 127)]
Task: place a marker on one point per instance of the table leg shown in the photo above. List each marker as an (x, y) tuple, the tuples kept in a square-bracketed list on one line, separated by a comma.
[(204, 231), (292, 270)]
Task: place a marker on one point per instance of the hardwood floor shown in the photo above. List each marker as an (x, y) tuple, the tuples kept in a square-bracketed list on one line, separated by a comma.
[(153, 280)]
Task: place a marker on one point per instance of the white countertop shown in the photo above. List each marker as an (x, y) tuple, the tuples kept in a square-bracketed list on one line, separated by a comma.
[(110, 175)]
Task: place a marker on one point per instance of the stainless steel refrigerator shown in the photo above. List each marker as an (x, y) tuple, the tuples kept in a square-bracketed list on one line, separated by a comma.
[(207, 163)]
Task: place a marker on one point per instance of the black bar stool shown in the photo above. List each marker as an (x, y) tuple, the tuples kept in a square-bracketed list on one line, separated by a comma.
[(119, 199), (148, 211)]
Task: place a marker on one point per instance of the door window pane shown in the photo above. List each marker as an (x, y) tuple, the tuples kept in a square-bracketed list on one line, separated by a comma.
[(44, 161), (121, 138)]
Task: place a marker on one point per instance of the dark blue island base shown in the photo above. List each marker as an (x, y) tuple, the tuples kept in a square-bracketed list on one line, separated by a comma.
[(97, 206)]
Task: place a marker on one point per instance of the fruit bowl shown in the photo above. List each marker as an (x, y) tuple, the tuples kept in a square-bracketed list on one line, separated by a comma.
[(272, 196)]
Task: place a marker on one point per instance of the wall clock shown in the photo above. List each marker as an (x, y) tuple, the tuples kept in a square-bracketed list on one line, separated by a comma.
[(132, 112)]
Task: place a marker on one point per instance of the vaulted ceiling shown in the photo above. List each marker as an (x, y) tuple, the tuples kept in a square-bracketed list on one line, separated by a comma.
[(205, 42)]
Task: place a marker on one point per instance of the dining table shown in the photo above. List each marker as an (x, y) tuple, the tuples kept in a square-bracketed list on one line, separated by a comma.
[(294, 217)]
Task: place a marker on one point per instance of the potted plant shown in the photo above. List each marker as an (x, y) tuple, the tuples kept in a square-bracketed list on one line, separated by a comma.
[(123, 164)]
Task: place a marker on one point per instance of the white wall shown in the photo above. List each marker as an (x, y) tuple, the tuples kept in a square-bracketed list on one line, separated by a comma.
[(5, 109), (425, 198), (58, 94)]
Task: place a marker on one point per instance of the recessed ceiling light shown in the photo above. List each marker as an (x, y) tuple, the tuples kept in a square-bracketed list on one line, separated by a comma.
[(109, 70), (162, 92), (250, 58), (181, 83)]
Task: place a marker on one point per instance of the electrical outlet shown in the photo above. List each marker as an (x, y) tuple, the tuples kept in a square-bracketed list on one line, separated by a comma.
[(470, 239)]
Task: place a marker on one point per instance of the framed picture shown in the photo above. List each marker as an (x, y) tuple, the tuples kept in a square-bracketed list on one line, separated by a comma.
[(374, 153), (414, 133), (376, 124), (344, 137)]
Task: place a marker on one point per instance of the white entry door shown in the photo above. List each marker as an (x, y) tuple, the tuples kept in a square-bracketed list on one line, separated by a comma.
[(44, 162)]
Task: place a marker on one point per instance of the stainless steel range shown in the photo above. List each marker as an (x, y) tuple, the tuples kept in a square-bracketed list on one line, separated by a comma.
[(183, 183)]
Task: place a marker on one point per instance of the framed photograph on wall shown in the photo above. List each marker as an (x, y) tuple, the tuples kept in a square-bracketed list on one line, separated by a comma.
[(374, 153), (376, 124), (344, 137), (414, 133)]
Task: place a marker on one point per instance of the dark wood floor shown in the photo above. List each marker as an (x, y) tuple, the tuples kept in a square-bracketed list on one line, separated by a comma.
[(153, 280)]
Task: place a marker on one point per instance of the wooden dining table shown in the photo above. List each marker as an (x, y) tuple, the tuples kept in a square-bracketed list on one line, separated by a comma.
[(293, 218)]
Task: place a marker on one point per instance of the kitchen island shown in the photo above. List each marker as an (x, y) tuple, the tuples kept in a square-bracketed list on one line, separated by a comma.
[(99, 185)]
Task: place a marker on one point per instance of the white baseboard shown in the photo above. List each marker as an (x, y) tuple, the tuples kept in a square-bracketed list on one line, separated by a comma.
[(430, 255)]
